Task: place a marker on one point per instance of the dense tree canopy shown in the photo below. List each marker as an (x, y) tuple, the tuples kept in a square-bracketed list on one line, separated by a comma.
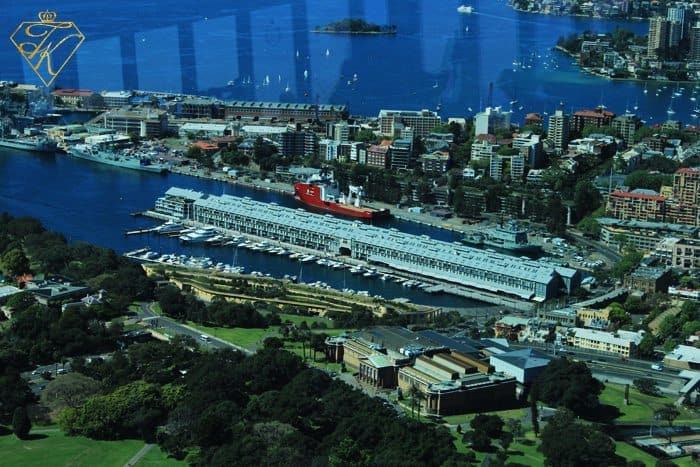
[(569, 384)]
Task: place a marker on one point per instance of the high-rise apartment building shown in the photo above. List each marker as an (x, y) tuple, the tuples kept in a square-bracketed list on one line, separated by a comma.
[(627, 125), (490, 120), (657, 44), (558, 130), (694, 54), (597, 118)]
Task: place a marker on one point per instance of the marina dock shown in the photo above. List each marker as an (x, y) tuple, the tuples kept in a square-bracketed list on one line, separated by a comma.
[(465, 271)]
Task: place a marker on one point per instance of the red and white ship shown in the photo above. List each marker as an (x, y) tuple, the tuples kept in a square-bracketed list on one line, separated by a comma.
[(321, 192)]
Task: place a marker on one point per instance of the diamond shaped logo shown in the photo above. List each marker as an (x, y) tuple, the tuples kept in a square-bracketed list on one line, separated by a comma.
[(47, 45)]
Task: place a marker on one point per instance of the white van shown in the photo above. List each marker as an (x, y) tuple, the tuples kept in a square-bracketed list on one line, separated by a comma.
[(204, 338)]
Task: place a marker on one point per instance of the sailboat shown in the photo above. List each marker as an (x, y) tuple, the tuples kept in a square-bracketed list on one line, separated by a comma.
[(328, 52), (670, 110), (354, 77), (266, 81), (297, 54), (286, 88), (306, 74), (645, 88), (435, 85)]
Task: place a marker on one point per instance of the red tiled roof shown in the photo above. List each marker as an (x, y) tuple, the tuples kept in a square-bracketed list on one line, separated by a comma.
[(72, 92), (206, 146), (385, 142), (486, 137), (688, 171), (594, 113), (533, 116), (627, 194)]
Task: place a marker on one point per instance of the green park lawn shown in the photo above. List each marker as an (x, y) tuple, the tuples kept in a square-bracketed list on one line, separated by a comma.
[(632, 453), (157, 458), (642, 406), (244, 337), (56, 449)]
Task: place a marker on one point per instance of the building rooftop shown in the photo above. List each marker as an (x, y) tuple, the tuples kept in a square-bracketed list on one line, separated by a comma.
[(358, 233), (203, 126), (72, 92), (284, 106), (623, 338), (8, 290), (444, 341), (648, 273), (685, 353), (629, 194), (524, 358), (633, 224)]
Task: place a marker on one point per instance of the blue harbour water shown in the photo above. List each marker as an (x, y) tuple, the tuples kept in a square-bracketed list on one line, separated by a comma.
[(92, 203), (438, 57)]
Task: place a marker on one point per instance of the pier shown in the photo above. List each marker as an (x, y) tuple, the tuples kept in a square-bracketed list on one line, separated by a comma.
[(139, 232), (497, 278)]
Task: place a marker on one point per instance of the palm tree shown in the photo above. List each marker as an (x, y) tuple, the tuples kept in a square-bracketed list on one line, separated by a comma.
[(416, 396)]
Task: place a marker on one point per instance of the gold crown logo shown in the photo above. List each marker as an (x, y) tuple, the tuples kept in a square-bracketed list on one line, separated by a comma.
[(47, 16)]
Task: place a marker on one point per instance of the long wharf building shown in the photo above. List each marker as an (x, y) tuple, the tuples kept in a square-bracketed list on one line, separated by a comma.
[(453, 262)]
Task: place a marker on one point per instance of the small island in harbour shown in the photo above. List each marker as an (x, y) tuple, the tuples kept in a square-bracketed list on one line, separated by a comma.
[(355, 26)]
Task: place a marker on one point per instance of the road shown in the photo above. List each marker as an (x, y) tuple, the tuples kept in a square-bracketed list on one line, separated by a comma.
[(171, 327), (610, 255), (612, 367)]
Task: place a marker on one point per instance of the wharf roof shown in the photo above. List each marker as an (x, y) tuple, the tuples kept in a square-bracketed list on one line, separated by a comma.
[(284, 106), (73, 92), (407, 113), (524, 358), (389, 239)]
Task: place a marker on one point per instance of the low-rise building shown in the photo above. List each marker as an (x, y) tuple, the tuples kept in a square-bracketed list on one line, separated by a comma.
[(436, 162), (649, 279), (523, 364), (378, 156), (623, 343), (565, 317), (204, 130), (641, 234), (83, 98), (146, 123), (511, 327), (684, 357), (116, 99), (685, 254)]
